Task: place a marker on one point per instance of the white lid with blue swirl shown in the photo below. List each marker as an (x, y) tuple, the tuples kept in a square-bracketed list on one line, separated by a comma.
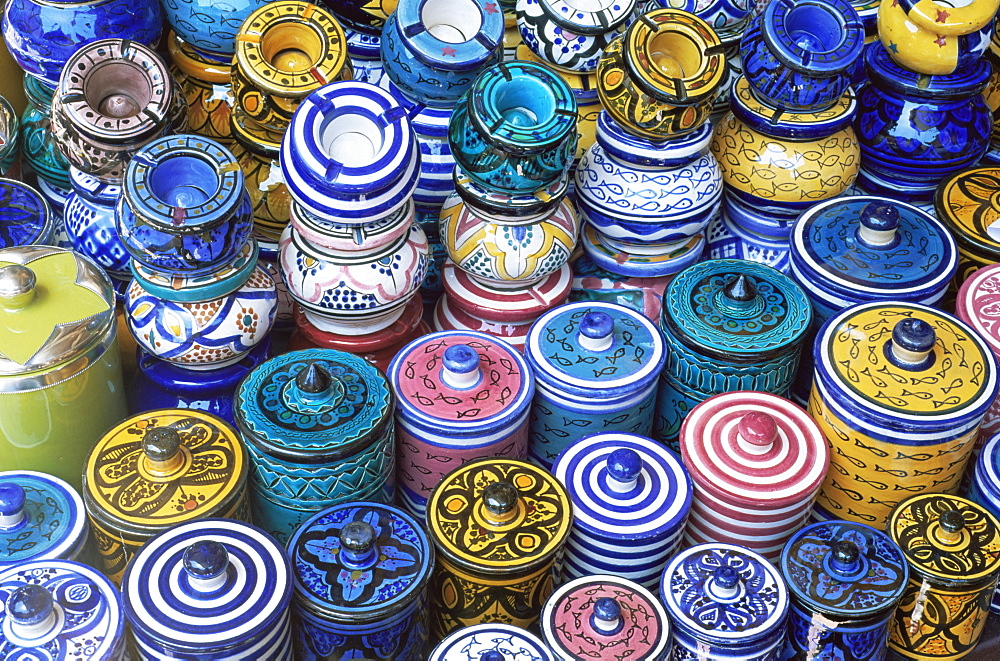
[(41, 517), (491, 642)]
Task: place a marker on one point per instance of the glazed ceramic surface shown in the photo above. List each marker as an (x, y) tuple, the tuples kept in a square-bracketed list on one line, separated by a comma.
[(570, 36), (935, 38), (206, 87), (90, 223), (726, 237), (727, 17), (39, 153), (10, 140), (975, 306), (27, 218), (473, 642), (963, 204), (41, 518), (256, 150), (592, 283), (209, 28), (984, 488)]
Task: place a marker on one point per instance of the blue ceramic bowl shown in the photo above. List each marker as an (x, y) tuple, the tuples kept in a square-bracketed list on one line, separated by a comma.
[(90, 223), (25, 217), (210, 26)]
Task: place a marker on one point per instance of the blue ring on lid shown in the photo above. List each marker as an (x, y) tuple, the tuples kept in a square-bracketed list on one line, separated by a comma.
[(53, 524), (185, 288)]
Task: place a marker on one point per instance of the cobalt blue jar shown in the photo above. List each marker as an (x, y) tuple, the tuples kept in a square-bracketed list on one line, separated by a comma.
[(90, 224), (435, 184), (26, 217)]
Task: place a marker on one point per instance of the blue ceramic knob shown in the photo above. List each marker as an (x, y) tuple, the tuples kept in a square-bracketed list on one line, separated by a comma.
[(357, 543), (29, 605), (607, 616), (206, 561), (878, 224), (624, 466), (11, 504), (461, 366), (911, 345), (491, 655)]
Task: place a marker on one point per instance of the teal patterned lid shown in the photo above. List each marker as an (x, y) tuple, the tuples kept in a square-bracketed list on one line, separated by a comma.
[(736, 311), (41, 517), (313, 406)]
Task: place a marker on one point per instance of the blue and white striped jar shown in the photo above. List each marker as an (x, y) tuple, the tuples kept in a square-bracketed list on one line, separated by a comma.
[(984, 489), (430, 125), (41, 518)]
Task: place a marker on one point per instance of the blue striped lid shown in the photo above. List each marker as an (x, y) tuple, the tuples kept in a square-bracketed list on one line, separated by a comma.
[(41, 517)]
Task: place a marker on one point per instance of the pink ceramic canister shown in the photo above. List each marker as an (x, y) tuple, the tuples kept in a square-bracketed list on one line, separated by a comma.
[(757, 462), (460, 395), (978, 304)]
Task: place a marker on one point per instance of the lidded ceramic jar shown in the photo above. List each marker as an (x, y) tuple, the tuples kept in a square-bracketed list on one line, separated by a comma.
[(460, 395), (60, 371), (975, 306), (206, 85), (380, 611), (606, 617), (728, 325), (963, 203), (27, 217), (725, 602), (984, 488), (596, 366), (936, 38), (916, 400), (631, 498), (89, 214), (952, 547), (208, 29), (572, 36), (494, 642), (57, 609), (318, 427), (497, 525), (158, 469), (41, 518), (210, 589)]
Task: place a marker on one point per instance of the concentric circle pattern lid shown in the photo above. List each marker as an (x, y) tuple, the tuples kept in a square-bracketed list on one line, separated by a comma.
[(81, 616), (26, 215), (314, 405), (161, 468), (460, 381), (605, 617), (498, 515), (753, 448), (207, 585), (474, 643), (41, 517), (736, 310), (866, 248), (947, 538), (593, 348), (964, 203), (360, 561), (624, 486), (978, 304), (724, 593), (844, 569)]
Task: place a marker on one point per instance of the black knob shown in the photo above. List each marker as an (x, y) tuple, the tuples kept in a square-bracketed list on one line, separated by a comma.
[(357, 537), (313, 379), (161, 443), (742, 289), (914, 335), (845, 555), (500, 498), (952, 521)]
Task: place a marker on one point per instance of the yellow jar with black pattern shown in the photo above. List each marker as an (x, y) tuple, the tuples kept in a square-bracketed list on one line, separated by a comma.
[(899, 392), (498, 526), (256, 150), (156, 470), (952, 547), (966, 204), (207, 88)]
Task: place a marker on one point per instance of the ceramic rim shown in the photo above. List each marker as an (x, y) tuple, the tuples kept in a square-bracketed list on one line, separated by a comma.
[(783, 18), (814, 125), (578, 18), (463, 49), (182, 288)]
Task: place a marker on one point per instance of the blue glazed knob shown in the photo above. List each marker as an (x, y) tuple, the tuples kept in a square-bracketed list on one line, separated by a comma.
[(206, 562), (500, 500), (845, 557), (725, 583), (357, 543), (607, 616), (624, 467), (879, 221), (491, 655), (161, 446), (461, 367), (11, 505), (30, 606), (313, 379), (596, 331), (912, 343)]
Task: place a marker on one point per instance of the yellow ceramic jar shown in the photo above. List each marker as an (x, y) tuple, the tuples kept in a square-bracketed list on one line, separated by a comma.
[(934, 38), (968, 203), (256, 150), (207, 88)]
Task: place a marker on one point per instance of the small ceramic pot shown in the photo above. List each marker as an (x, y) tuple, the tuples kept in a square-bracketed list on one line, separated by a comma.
[(727, 17), (592, 283), (90, 224), (798, 55), (209, 28), (256, 150), (10, 140), (27, 218), (479, 640), (430, 126), (352, 240), (963, 203), (660, 79), (207, 89), (41, 518), (984, 488), (935, 38), (513, 131), (568, 36), (975, 305), (185, 288), (284, 51), (39, 153)]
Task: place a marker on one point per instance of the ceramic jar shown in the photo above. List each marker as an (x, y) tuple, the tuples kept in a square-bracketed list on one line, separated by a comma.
[(211, 589), (9, 141), (845, 581), (916, 401), (364, 50), (915, 131), (435, 183), (631, 498), (206, 86), (738, 590), (606, 617), (497, 526), (382, 613), (158, 469), (41, 518), (569, 36), (39, 153), (89, 215), (209, 29), (318, 428), (596, 366), (256, 150), (27, 218), (728, 325), (984, 488), (57, 609), (935, 38), (726, 238), (460, 396), (963, 203), (60, 372), (952, 547), (494, 641), (975, 306)]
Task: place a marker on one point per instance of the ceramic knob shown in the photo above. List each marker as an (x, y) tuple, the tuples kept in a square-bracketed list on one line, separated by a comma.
[(209, 28), (357, 543), (936, 38), (206, 563), (571, 35), (11, 505), (31, 610)]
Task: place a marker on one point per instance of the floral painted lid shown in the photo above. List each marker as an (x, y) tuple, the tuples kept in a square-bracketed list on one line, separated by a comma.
[(161, 468), (360, 561), (499, 515), (313, 406), (59, 610), (723, 593), (207, 585), (736, 311), (605, 617), (27, 218), (978, 304), (964, 204), (41, 517), (947, 539), (624, 486), (844, 569), (754, 448), (592, 349), (491, 642)]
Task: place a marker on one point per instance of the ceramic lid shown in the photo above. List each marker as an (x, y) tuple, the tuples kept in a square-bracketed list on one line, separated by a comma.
[(360, 561), (844, 569), (56, 610), (754, 448), (868, 248), (964, 204), (54, 306), (593, 349), (736, 311), (207, 585), (499, 515), (966, 81), (947, 539), (41, 517), (781, 23), (605, 617), (587, 18), (723, 593), (461, 382), (491, 642), (26, 216), (624, 486), (777, 123), (161, 468), (978, 304), (504, 304), (462, 49), (931, 368), (313, 406)]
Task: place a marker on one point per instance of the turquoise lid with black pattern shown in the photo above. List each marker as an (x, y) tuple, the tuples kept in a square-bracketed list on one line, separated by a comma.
[(41, 518)]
